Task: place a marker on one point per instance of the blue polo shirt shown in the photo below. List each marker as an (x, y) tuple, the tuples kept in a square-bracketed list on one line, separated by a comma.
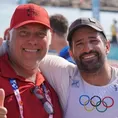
[(65, 54)]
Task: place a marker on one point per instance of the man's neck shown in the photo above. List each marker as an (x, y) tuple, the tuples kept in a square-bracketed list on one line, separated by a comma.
[(100, 78), (29, 74)]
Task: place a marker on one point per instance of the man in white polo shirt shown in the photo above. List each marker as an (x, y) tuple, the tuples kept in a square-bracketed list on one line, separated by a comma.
[(90, 89)]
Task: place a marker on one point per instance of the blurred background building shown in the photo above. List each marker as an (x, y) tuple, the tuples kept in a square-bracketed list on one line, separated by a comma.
[(86, 4), (71, 9)]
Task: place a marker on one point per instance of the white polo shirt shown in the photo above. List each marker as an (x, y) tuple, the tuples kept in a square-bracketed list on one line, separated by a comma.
[(58, 72), (78, 98)]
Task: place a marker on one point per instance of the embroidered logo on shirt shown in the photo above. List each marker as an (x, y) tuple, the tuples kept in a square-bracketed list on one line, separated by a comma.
[(75, 83), (115, 87)]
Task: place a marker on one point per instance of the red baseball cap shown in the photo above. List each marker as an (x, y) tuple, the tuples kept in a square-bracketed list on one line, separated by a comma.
[(29, 13)]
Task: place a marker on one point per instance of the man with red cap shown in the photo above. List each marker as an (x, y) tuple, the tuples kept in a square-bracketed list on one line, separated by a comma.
[(27, 93)]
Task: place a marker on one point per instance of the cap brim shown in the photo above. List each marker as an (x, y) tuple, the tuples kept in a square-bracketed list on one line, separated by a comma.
[(32, 21), (77, 27)]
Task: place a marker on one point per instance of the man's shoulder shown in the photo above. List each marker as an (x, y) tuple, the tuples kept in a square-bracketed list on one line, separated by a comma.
[(55, 65), (56, 61), (114, 68), (115, 71)]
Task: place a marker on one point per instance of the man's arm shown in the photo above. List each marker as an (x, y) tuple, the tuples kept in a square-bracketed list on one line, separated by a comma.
[(58, 72), (55, 68)]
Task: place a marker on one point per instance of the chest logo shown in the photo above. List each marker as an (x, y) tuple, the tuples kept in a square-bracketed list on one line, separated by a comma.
[(75, 83), (96, 103)]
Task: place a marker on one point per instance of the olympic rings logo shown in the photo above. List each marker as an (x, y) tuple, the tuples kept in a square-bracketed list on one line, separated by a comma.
[(90, 103)]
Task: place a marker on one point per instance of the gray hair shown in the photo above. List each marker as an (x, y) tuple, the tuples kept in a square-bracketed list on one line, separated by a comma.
[(11, 33), (49, 34)]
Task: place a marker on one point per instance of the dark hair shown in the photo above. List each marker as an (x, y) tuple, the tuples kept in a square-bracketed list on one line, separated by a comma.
[(59, 24), (104, 39)]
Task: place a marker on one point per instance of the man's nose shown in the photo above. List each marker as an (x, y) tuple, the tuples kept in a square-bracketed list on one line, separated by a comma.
[(87, 47), (32, 40)]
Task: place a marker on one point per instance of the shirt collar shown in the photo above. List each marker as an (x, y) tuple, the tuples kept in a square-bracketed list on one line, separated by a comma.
[(8, 72), (5, 67)]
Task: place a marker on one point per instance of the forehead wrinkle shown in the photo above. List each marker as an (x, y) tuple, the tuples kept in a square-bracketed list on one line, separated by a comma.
[(36, 29), (32, 25), (79, 40), (22, 27), (91, 37)]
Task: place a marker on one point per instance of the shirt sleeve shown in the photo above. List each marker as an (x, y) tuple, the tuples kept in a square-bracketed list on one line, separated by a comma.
[(58, 72)]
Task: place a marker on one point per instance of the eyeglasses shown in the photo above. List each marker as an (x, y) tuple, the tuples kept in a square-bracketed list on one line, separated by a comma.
[(44, 100)]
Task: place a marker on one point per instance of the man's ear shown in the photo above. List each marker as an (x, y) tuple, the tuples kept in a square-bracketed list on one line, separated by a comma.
[(71, 54), (107, 47), (1, 41), (8, 36)]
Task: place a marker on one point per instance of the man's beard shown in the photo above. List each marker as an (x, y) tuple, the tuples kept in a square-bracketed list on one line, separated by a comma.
[(91, 66)]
